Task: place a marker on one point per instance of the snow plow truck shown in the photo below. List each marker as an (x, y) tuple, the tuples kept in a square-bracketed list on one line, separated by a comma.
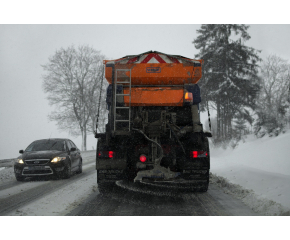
[(153, 134)]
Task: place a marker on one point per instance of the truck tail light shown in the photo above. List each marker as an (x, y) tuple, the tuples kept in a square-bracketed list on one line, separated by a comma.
[(188, 97), (198, 154), (143, 158), (111, 154), (106, 154)]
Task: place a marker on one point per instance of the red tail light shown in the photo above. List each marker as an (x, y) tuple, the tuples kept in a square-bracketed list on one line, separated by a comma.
[(111, 154), (198, 154), (143, 158), (106, 154)]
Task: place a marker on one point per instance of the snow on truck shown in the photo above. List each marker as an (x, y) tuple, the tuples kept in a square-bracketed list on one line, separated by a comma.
[(153, 132)]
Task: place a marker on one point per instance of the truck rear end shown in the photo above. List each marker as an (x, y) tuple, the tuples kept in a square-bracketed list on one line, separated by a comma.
[(153, 132)]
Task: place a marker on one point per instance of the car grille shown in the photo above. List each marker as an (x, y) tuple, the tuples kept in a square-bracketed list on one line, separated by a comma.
[(37, 161), (37, 170)]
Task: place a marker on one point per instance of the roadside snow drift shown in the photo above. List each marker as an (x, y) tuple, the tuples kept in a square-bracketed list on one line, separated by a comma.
[(257, 171)]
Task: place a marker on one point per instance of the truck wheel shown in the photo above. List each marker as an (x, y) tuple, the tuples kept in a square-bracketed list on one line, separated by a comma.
[(105, 188), (204, 189)]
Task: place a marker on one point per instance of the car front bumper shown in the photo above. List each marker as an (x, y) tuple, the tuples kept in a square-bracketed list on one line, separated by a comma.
[(39, 170)]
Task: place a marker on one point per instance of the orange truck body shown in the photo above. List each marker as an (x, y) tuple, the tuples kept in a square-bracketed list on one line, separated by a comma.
[(155, 96), (157, 79)]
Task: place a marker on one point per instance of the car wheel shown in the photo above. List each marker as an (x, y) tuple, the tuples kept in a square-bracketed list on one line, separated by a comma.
[(80, 170), (20, 179), (67, 171)]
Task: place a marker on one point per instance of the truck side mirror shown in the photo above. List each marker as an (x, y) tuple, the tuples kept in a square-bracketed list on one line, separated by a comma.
[(21, 151), (73, 149)]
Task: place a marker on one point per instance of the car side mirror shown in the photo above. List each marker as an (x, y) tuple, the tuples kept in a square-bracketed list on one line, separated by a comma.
[(21, 151), (73, 149), (208, 134)]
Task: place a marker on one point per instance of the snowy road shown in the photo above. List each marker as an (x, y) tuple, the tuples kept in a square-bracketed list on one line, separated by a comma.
[(45, 196), (128, 199), (15, 195), (79, 195)]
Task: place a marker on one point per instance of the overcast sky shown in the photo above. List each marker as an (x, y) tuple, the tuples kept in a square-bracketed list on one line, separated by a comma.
[(24, 48)]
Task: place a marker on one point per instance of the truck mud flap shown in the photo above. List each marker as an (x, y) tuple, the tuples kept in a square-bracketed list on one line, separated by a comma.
[(111, 175)]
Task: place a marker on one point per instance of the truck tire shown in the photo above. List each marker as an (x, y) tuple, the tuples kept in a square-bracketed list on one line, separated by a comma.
[(206, 148), (105, 188), (204, 189)]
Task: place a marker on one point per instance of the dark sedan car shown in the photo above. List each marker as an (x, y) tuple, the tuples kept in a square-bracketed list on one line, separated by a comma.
[(58, 157)]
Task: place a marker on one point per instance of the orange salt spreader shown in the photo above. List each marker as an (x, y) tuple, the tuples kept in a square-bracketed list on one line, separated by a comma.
[(157, 79), (154, 133)]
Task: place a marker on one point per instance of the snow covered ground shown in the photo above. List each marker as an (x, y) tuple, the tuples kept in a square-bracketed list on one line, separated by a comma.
[(256, 171)]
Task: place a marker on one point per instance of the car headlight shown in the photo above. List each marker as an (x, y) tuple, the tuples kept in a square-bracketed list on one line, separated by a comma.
[(20, 161), (57, 159)]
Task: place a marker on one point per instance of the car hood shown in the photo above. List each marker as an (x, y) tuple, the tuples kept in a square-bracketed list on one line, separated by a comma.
[(41, 155)]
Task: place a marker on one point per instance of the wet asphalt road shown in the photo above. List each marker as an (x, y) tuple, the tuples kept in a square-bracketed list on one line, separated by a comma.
[(128, 199)]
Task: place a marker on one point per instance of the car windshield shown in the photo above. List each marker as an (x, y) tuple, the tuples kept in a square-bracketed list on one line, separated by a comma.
[(46, 145)]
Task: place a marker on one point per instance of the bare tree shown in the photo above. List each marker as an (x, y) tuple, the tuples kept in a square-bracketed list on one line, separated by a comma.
[(273, 98), (72, 80), (97, 104)]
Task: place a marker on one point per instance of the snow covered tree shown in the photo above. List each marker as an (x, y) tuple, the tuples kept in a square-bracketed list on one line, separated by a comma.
[(72, 80), (240, 125), (229, 71), (273, 100)]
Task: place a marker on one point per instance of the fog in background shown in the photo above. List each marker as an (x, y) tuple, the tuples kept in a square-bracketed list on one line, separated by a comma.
[(24, 48)]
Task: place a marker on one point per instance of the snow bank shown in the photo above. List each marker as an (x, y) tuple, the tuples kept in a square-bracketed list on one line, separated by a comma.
[(7, 174), (257, 171), (262, 206)]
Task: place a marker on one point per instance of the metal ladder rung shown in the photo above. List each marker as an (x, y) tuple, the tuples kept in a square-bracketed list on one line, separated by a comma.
[(122, 94), (126, 83), (122, 120), (122, 82)]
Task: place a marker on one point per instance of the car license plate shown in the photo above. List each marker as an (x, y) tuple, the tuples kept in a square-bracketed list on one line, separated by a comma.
[(37, 168)]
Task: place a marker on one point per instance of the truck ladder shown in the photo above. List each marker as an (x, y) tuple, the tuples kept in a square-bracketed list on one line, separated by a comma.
[(126, 82)]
